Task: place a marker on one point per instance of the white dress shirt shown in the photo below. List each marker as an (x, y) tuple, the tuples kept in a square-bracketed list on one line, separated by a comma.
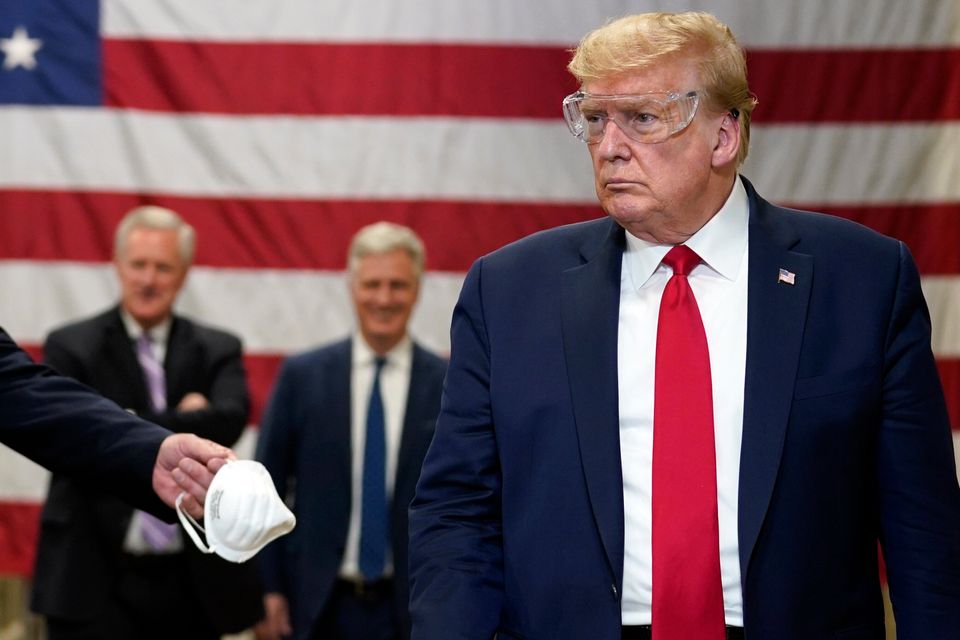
[(394, 387), (720, 286)]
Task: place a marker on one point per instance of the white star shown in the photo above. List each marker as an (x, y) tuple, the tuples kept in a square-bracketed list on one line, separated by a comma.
[(20, 50)]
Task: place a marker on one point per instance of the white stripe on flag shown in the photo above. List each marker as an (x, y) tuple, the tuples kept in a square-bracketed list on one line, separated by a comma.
[(22, 478), (826, 163), (320, 157), (956, 450), (943, 299), (438, 158), (271, 310), (757, 23)]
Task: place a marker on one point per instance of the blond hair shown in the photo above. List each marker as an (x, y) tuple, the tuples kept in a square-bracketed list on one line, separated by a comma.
[(639, 41)]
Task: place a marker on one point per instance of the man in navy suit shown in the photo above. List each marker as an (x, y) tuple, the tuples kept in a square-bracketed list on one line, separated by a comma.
[(344, 436), (543, 511)]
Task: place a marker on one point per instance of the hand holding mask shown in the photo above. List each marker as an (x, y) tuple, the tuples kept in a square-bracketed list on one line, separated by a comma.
[(242, 512)]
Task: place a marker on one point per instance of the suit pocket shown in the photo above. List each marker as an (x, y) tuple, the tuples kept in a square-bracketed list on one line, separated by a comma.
[(836, 383)]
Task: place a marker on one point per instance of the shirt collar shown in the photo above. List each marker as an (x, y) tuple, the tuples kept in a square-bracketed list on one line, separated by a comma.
[(158, 334), (721, 242), (363, 355)]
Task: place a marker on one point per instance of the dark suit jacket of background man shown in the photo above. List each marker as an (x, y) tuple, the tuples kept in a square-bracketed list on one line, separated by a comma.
[(845, 439), (50, 418), (82, 528), (306, 434)]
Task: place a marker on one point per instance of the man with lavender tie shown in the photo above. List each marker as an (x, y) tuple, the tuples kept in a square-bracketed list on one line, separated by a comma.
[(104, 569)]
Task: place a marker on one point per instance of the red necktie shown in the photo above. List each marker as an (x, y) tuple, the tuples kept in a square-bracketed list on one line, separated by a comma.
[(687, 590)]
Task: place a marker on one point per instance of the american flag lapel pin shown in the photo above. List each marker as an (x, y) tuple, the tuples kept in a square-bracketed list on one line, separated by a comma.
[(787, 277)]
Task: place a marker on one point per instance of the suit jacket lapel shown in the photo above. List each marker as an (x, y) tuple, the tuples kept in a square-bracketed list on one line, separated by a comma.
[(176, 366), (413, 426), (590, 304), (335, 406), (776, 313), (121, 357)]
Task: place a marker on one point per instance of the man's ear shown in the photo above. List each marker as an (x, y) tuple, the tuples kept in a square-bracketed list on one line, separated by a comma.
[(728, 141)]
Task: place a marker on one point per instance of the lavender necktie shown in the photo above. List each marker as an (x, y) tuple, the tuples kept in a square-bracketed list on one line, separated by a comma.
[(157, 533)]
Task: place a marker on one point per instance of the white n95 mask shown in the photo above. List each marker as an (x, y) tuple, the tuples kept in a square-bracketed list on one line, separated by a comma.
[(242, 512)]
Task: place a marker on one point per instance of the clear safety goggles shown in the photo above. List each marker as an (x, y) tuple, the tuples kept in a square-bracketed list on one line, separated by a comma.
[(644, 117)]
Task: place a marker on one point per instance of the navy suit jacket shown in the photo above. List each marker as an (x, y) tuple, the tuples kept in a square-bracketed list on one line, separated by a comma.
[(82, 527), (305, 443), (67, 428), (517, 525)]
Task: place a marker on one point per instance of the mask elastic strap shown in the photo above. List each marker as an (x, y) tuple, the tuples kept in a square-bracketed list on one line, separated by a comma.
[(184, 517)]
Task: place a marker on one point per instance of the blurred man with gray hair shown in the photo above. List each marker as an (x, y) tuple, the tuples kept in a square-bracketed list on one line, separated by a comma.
[(344, 436), (104, 569)]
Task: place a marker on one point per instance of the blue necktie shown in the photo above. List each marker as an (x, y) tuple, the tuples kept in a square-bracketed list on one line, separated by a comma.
[(373, 513)]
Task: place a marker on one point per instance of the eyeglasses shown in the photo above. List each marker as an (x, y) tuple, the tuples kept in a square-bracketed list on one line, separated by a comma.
[(645, 117)]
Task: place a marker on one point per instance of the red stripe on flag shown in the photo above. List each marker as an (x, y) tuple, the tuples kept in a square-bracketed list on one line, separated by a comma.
[(35, 351), (314, 234), (336, 79), (19, 526), (950, 377), (261, 372), (849, 85), (822, 85), (248, 233), (929, 230)]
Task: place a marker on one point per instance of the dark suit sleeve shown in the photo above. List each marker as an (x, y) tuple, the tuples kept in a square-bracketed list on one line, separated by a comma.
[(275, 446), (919, 496), (59, 356), (67, 428), (225, 387), (456, 548)]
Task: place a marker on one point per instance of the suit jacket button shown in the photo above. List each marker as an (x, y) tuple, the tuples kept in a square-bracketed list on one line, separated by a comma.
[(613, 588)]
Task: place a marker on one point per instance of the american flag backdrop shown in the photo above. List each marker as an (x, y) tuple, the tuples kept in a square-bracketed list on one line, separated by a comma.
[(279, 127)]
